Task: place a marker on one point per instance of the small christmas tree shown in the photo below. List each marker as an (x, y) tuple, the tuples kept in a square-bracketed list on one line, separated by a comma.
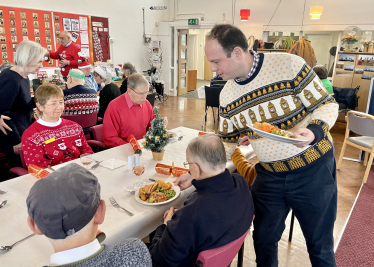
[(157, 136)]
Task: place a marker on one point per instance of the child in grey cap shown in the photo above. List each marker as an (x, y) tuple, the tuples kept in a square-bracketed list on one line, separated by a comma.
[(66, 207)]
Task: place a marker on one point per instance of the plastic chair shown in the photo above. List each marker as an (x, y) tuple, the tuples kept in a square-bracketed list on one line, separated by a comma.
[(97, 132), (223, 256), (361, 124), (20, 170), (211, 100), (151, 98), (346, 98)]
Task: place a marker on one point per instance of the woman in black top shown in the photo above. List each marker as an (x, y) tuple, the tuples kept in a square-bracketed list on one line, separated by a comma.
[(15, 97), (110, 91), (127, 70)]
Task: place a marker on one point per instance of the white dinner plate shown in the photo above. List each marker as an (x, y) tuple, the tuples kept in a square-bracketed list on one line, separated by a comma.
[(279, 138), (174, 138), (174, 187)]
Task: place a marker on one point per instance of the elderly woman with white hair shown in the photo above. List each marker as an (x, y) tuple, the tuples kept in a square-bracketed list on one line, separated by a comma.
[(127, 70), (109, 91), (15, 97)]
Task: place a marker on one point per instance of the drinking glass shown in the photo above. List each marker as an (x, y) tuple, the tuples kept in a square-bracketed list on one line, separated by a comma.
[(138, 170), (86, 159)]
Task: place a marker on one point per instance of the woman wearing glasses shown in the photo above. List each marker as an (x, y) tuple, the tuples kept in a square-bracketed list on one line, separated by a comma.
[(51, 140), (109, 90)]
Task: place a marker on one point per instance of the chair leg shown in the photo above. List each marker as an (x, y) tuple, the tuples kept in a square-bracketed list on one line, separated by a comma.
[(240, 256), (341, 155), (214, 118), (366, 158), (368, 167), (204, 119), (291, 227)]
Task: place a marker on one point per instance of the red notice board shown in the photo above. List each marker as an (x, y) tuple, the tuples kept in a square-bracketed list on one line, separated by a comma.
[(100, 39), (18, 24)]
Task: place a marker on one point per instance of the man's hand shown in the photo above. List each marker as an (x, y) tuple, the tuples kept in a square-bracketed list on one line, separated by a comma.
[(17, 148), (169, 213), (165, 121), (64, 62), (183, 181), (3, 125), (308, 134), (244, 141)]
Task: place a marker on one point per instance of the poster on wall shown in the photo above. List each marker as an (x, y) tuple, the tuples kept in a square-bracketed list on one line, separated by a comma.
[(74, 36), (86, 50), (83, 23), (67, 24), (100, 39), (75, 25), (366, 60)]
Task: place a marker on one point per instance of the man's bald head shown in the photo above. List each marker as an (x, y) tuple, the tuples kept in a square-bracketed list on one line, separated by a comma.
[(65, 37)]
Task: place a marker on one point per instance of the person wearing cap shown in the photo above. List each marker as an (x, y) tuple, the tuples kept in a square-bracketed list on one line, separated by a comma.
[(130, 113), (127, 70), (109, 91), (52, 140), (78, 98), (89, 80), (66, 207), (68, 53)]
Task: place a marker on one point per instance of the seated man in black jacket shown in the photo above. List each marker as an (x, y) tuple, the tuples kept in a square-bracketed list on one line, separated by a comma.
[(217, 213)]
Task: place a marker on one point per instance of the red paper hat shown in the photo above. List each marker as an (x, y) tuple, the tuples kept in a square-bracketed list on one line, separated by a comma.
[(84, 64)]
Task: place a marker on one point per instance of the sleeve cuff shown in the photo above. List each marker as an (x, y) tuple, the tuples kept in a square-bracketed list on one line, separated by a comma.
[(318, 128)]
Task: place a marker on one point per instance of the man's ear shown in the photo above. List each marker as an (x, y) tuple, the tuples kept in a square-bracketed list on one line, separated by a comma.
[(100, 213), (237, 52), (33, 226)]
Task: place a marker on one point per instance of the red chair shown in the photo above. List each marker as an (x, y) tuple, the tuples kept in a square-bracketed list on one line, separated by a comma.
[(98, 141), (223, 256), (20, 170), (84, 120)]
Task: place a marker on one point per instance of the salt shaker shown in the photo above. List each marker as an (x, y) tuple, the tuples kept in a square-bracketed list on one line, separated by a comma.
[(137, 159), (131, 162)]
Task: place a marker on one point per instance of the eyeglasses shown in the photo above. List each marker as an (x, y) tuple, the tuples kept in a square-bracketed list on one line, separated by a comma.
[(185, 164), (56, 105), (141, 94)]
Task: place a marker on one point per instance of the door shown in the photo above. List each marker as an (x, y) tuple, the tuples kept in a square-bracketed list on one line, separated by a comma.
[(321, 44), (182, 62), (208, 74)]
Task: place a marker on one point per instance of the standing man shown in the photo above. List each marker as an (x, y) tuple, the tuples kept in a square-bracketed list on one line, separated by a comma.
[(68, 53), (283, 90)]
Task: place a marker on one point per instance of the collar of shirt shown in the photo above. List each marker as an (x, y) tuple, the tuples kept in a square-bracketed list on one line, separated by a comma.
[(68, 44), (219, 183), (129, 101), (49, 124), (75, 254), (254, 66)]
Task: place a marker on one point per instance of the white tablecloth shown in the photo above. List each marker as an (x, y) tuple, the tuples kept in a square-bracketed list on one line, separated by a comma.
[(117, 224)]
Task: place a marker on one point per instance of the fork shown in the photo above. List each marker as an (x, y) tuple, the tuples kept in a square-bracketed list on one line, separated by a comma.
[(115, 204), (2, 192), (7, 248)]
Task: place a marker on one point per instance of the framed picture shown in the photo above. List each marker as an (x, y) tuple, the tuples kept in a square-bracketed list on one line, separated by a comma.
[(24, 31), (14, 47), (1, 21), (46, 16), (46, 24), (25, 37), (12, 22), (37, 39), (14, 39), (36, 32), (2, 39), (11, 14), (3, 47), (75, 25), (50, 63), (23, 15), (5, 61), (67, 24), (48, 40), (13, 30), (2, 30), (23, 23), (49, 47), (1, 13), (57, 18), (48, 32), (57, 33), (58, 41), (35, 16), (57, 26), (36, 24), (4, 55)]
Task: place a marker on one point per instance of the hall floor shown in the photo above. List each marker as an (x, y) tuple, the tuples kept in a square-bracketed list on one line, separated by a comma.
[(189, 113)]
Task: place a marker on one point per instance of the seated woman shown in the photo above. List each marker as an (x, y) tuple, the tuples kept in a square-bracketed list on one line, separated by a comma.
[(51, 140), (127, 70)]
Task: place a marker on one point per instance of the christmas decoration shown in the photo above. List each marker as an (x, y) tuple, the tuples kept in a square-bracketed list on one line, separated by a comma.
[(157, 136)]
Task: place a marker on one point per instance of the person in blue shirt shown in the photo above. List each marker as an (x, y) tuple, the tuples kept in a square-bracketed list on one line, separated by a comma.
[(89, 81)]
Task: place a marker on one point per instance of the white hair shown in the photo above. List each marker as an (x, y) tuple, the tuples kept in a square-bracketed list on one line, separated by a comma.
[(28, 52)]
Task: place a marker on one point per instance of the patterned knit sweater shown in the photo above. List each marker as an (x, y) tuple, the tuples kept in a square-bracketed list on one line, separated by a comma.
[(46, 144), (80, 100), (283, 91)]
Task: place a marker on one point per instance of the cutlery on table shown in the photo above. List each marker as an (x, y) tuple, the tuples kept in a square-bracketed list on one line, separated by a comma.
[(97, 164), (130, 190), (115, 204), (7, 248), (153, 180), (2, 192), (2, 204)]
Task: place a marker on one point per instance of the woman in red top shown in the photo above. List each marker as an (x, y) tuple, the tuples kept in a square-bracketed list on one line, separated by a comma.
[(51, 140)]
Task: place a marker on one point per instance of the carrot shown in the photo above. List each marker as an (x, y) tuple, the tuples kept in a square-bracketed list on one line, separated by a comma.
[(267, 128)]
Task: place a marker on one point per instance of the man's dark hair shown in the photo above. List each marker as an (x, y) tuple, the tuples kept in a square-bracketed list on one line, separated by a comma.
[(229, 37), (321, 71)]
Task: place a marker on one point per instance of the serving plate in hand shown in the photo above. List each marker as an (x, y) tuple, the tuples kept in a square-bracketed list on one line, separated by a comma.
[(279, 138), (174, 187)]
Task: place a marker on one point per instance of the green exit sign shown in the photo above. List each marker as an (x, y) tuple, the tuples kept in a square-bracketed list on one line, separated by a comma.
[(193, 21)]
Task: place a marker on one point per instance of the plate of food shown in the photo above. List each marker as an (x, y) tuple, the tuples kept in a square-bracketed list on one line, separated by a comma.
[(272, 132), (172, 136), (157, 193)]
